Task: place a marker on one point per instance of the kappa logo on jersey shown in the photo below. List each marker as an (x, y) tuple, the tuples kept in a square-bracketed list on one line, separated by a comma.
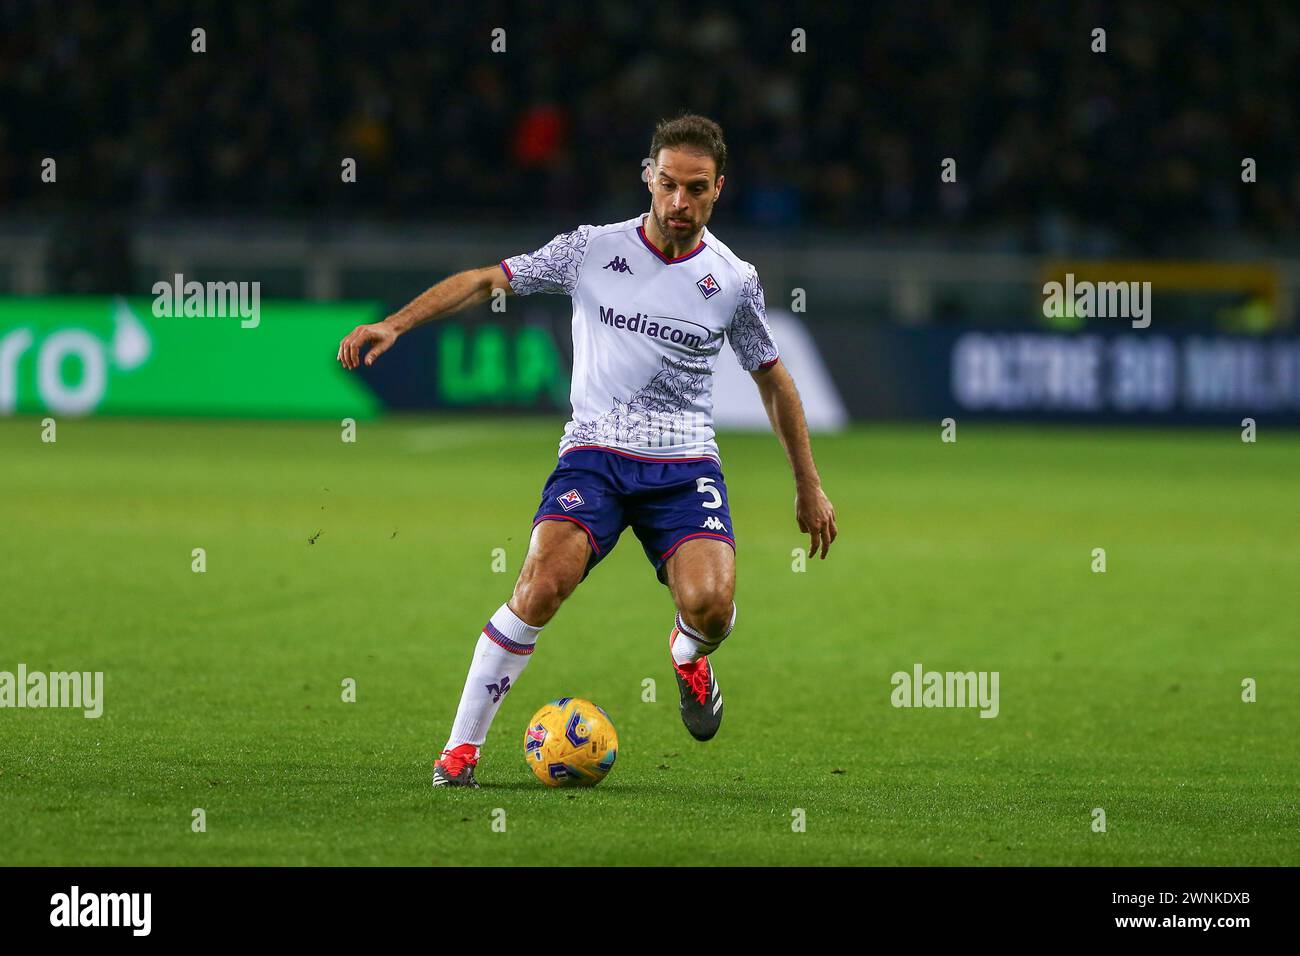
[(570, 499), (713, 524), (709, 286), (619, 264)]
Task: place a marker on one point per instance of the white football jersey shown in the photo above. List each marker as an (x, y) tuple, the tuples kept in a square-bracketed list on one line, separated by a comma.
[(647, 331)]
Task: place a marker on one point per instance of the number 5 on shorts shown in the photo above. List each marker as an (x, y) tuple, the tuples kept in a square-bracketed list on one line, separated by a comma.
[(705, 487)]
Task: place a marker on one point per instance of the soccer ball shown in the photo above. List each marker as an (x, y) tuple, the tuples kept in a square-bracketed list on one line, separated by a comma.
[(570, 743)]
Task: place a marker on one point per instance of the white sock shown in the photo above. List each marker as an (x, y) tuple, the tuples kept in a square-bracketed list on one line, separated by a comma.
[(691, 645), (500, 656)]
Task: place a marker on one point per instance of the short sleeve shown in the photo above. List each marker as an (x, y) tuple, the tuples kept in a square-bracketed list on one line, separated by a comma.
[(749, 334), (552, 268)]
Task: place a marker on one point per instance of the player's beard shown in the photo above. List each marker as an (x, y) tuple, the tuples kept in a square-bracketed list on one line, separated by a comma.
[(693, 231)]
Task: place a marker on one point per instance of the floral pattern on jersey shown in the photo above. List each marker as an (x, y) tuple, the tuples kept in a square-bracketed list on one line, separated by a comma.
[(750, 335), (552, 268), (655, 411)]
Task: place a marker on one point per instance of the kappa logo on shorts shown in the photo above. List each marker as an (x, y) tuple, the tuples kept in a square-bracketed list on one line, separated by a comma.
[(570, 499), (712, 523), (709, 286)]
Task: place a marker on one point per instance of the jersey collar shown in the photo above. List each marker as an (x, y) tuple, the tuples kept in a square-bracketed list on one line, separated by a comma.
[(640, 231)]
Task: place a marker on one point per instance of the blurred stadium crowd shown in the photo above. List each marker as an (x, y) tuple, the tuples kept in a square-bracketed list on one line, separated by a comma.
[(1142, 144)]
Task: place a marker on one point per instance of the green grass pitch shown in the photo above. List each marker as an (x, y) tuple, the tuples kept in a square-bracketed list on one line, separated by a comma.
[(1120, 690)]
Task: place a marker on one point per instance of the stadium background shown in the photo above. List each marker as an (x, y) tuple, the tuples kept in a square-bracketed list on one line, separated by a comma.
[(225, 166)]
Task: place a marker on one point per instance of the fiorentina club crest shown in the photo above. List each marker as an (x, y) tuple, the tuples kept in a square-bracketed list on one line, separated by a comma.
[(570, 499), (497, 691), (709, 286)]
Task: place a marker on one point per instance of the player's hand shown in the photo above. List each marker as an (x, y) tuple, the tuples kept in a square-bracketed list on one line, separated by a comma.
[(379, 337), (816, 517)]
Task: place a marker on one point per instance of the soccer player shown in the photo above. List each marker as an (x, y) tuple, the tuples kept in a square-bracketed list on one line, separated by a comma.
[(653, 299)]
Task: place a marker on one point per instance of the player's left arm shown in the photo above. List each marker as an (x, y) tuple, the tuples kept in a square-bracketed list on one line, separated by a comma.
[(812, 509)]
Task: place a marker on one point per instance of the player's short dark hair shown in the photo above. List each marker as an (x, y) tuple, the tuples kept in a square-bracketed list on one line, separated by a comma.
[(692, 132)]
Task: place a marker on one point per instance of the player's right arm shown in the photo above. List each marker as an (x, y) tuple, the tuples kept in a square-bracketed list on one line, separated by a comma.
[(452, 294)]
